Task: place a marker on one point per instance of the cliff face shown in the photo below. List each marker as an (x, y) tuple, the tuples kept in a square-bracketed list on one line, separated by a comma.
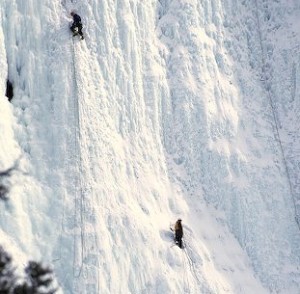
[(167, 109)]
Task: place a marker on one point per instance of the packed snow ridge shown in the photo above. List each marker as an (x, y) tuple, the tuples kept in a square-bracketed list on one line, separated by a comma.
[(167, 109)]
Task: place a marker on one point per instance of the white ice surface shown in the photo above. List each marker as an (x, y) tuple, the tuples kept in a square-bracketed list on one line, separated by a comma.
[(163, 111)]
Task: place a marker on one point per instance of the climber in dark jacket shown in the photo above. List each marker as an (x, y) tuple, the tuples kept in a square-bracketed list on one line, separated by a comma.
[(76, 27), (178, 233)]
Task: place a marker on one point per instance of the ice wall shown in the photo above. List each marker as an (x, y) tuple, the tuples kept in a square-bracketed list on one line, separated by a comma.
[(225, 136), (163, 111)]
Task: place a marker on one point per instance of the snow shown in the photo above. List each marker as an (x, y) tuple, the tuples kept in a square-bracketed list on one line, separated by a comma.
[(167, 109)]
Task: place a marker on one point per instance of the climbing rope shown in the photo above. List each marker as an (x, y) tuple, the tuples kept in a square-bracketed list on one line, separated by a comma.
[(273, 110), (78, 152), (191, 262), (185, 276)]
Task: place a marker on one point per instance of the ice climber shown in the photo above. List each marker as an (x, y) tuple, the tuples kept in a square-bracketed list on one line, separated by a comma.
[(178, 233), (76, 27)]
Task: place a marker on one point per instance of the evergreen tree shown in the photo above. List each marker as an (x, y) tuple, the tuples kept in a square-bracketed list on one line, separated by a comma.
[(41, 278), (22, 289), (7, 272)]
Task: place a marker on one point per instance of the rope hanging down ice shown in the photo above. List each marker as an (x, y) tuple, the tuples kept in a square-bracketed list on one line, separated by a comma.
[(190, 262), (185, 276), (77, 149), (79, 163), (276, 131)]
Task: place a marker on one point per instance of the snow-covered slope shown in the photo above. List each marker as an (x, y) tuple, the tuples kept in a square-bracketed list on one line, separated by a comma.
[(167, 109)]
